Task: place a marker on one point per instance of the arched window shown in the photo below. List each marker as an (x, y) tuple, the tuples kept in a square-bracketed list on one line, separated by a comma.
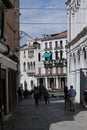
[(31, 65), (34, 64), (56, 55), (61, 54), (39, 57), (24, 66), (28, 65), (24, 54), (45, 45), (78, 55), (84, 51), (74, 57), (51, 55)]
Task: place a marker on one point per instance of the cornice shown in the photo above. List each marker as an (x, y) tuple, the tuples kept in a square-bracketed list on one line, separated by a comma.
[(78, 37)]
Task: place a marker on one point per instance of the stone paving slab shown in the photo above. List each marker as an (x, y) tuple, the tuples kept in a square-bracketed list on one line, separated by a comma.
[(79, 123)]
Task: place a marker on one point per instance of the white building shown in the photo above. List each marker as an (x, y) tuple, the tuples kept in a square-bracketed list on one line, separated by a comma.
[(77, 46), (50, 71), (47, 65), (28, 63)]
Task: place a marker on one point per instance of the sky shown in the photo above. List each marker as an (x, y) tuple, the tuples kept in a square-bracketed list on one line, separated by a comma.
[(40, 17)]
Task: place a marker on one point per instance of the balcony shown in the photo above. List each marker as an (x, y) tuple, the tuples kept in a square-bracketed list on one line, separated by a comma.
[(60, 63), (55, 63), (48, 64), (31, 72), (48, 49), (58, 48)]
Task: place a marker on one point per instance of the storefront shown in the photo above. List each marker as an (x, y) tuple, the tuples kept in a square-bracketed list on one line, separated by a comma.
[(8, 70)]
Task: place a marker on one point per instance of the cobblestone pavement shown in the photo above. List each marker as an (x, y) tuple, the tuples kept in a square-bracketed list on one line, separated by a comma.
[(44, 117)]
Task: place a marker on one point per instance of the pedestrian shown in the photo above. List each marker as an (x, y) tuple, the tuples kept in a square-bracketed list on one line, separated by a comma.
[(41, 93), (72, 94), (46, 96), (36, 95), (19, 94), (26, 93), (85, 97), (66, 96)]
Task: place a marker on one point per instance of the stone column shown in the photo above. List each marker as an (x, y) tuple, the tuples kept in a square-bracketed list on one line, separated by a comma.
[(57, 82), (46, 84)]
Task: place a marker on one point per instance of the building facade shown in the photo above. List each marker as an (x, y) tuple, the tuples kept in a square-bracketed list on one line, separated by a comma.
[(9, 44), (77, 46), (48, 62), (28, 55)]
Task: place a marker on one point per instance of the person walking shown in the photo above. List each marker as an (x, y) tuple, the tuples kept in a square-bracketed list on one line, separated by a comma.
[(72, 94), (46, 96), (85, 97), (66, 95), (36, 95), (19, 94)]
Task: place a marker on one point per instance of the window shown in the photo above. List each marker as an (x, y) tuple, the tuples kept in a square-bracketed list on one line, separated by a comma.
[(57, 70), (31, 53), (61, 54), (28, 53), (39, 71), (2, 20), (45, 45), (51, 71), (39, 47), (39, 57), (78, 55), (28, 65), (51, 56), (34, 65), (24, 54), (32, 84), (61, 70), (56, 44), (56, 55), (24, 66), (50, 44), (74, 57), (84, 51), (61, 43), (46, 71)]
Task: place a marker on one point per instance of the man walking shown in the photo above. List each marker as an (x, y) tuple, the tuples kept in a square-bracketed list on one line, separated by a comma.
[(71, 94)]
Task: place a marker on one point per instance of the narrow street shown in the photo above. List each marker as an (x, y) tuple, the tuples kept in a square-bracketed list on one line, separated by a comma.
[(41, 117)]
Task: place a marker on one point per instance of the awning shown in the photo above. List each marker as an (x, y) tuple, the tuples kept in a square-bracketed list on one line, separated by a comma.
[(5, 61), (46, 54)]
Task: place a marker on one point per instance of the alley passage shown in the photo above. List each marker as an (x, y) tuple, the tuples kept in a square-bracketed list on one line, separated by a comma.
[(31, 117)]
